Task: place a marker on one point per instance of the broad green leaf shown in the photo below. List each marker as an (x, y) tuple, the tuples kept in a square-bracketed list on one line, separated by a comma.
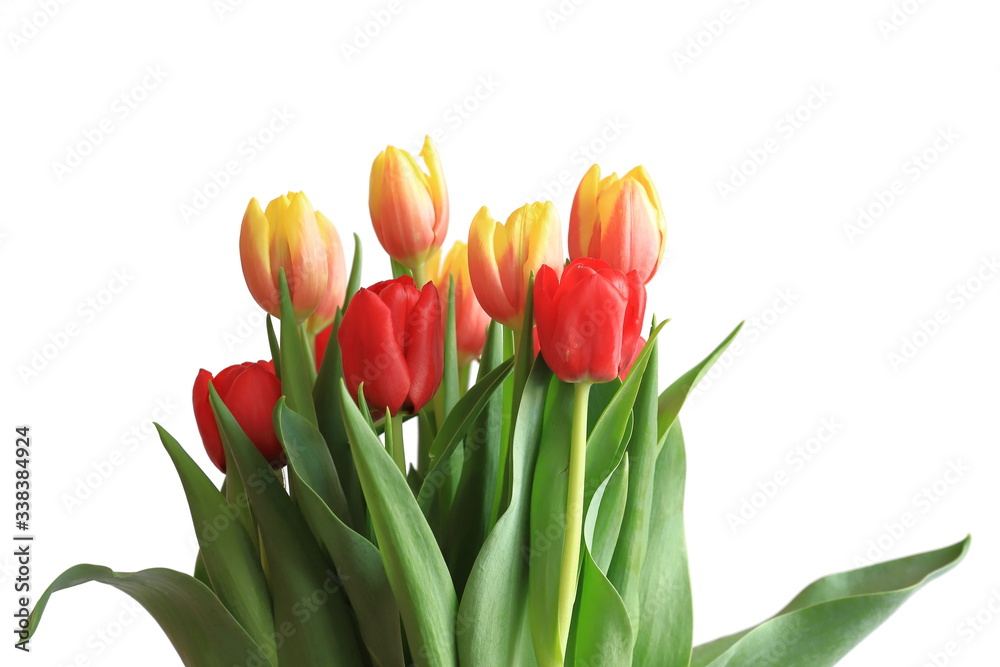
[(466, 412), (493, 615), (606, 443), (550, 488), (296, 373), (625, 571), (227, 552), (600, 396), (673, 397), (199, 570), (602, 633), (310, 612), (358, 562), (609, 519), (470, 515), (413, 562), (830, 616), (203, 633), (664, 624), (330, 419)]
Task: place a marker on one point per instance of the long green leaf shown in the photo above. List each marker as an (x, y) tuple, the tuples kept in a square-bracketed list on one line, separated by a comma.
[(413, 562), (310, 612), (354, 279), (227, 551), (492, 619), (830, 616), (549, 490), (630, 550), (470, 515), (203, 633), (296, 371), (602, 632), (607, 529), (358, 562), (664, 623)]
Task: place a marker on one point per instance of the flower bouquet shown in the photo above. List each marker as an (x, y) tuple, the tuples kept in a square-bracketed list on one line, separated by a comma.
[(535, 517)]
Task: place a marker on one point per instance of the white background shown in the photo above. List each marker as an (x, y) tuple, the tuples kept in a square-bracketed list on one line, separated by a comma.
[(605, 77)]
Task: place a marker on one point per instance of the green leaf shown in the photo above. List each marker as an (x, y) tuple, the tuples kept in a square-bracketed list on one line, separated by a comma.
[(625, 571), (606, 443), (398, 270), (272, 342), (416, 569), (492, 619), (354, 279), (310, 612), (608, 526), (227, 551), (673, 397), (199, 570), (296, 373), (330, 419), (664, 625), (470, 515), (549, 491), (449, 389), (602, 633), (203, 633), (830, 616), (358, 562), (466, 412)]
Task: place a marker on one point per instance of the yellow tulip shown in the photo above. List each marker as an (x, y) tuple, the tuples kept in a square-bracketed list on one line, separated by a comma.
[(470, 318), (618, 220), (409, 208), (291, 235), (502, 257)]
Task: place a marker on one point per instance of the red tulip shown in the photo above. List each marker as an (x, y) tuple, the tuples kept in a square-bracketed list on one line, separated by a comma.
[(391, 340), (589, 320), (250, 391)]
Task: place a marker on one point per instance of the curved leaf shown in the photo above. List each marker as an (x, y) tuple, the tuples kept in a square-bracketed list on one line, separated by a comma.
[(413, 562), (227, 552), (664, 625), (203, 633), (832, 615), (492, 618), (358, 562)]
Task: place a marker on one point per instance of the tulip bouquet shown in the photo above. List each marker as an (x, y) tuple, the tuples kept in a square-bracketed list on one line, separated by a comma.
[(535, 514)]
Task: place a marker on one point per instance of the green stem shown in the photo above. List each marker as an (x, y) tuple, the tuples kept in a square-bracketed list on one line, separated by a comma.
[(398, 453), (309, 347), (419, 274), (569, 573)]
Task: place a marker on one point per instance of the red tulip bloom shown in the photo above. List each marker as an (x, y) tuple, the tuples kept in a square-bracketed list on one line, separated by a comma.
[(589, 320), (250, 391), (391, 340)]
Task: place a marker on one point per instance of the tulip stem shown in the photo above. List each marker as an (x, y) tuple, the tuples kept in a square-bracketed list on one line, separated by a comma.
[(419, 273), (569, 573)]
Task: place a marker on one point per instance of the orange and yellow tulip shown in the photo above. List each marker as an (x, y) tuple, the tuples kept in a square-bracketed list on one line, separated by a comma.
[(291, 235), (409, 208), (471, 320), (618, 220), (502, 257)]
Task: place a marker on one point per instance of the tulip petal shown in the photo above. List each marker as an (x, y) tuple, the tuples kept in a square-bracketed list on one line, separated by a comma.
[(438, 190), (255, 258), (336, 279), (371, 354), (583, 215), (251, 400), (205, 419), (297, 247), (407, 209), (375, 193), (425, 347), (483, 268)]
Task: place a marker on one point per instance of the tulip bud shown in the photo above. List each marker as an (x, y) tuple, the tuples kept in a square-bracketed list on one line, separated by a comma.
[(290, 235), (409, 208), (336, 279), (250, 391), (471, 320), (619, 221), (391, 340), (589, 321), (502, 257)]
